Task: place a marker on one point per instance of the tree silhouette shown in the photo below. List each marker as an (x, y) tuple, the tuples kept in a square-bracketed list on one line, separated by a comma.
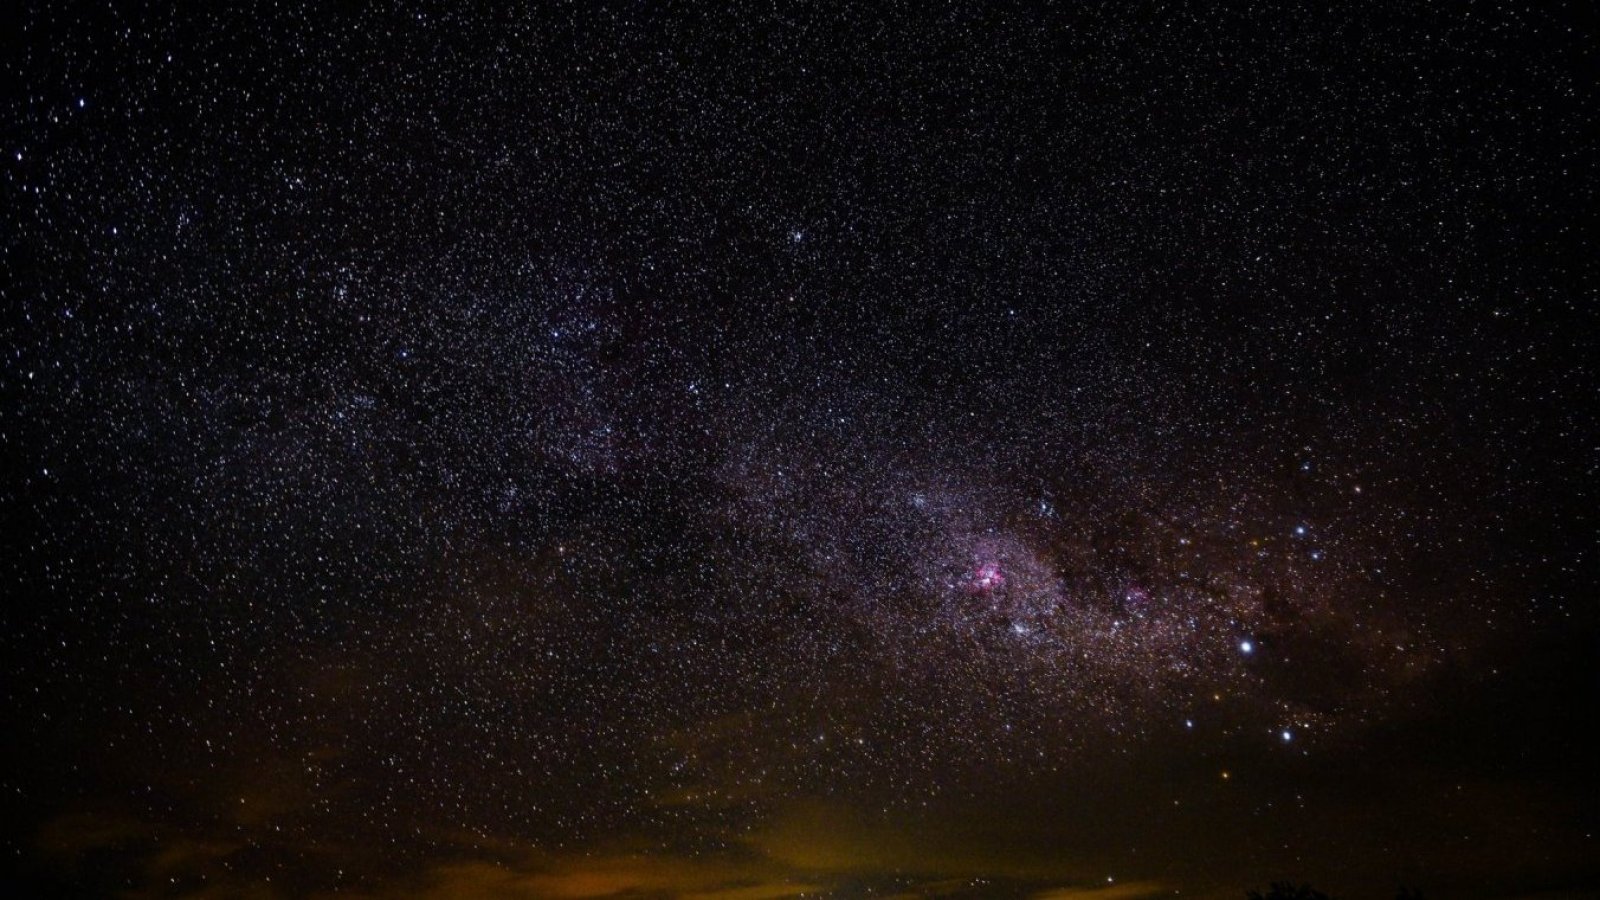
[(1285, 890)]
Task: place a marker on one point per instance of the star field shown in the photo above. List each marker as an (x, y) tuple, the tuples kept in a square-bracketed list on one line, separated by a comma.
[(759, 451)]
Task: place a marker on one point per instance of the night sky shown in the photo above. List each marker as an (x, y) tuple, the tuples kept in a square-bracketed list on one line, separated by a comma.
[(754, 450)]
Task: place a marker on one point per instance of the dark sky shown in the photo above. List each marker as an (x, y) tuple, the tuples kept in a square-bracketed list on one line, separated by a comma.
[(753, 450)]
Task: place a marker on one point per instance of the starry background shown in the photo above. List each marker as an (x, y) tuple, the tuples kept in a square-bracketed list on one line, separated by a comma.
[(762, 450)]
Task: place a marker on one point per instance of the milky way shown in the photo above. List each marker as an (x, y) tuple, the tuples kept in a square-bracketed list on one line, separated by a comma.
[(881, 450)]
